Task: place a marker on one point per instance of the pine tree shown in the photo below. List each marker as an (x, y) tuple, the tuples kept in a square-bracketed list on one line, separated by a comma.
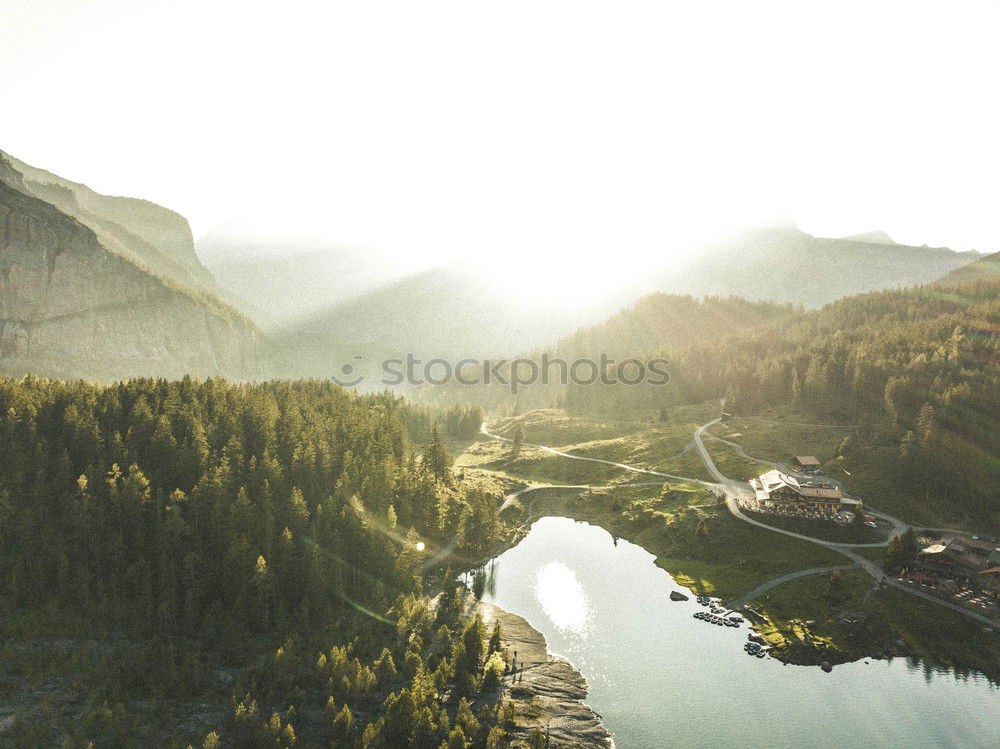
[(927, 426), (465, 718), (536, 739), (436, 457), (343, 728), (901, 549), (456, 739), (385, 669), (908, 448), (400, 716)]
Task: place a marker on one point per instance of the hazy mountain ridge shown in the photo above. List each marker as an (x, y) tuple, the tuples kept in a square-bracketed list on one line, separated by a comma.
[(72, 307), (282, 283), (687, 330), (872, 237), (663, 321), (454, 311), (787, 265)]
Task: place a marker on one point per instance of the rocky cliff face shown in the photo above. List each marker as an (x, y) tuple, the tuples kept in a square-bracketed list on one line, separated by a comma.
[(72, 307), (148, 235)]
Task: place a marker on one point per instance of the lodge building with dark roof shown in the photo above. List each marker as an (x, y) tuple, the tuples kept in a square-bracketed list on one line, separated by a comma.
[(808, 463), (779, 492)]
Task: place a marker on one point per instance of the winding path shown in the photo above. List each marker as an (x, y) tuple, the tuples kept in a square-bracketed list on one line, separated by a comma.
[(748, 597), (742, 453), (623, 466), (509, 499), (734, 490)]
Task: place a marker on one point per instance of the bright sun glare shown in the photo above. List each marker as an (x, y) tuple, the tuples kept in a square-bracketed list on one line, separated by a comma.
[(553, 283), (566, 130), (562, 597)]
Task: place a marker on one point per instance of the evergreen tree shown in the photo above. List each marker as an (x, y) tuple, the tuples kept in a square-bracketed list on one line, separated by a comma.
[(436, 457), (901, 549), (343, 729)]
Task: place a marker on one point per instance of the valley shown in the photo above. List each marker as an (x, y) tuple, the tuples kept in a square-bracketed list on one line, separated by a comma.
[(499, 375), (642, 514), (290, 557)]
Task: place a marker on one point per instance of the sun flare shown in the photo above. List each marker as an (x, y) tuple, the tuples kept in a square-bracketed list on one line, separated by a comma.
[(562, 597)]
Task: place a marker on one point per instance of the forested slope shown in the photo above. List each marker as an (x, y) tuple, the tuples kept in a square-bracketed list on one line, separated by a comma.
[(918, 368), (205, 528)]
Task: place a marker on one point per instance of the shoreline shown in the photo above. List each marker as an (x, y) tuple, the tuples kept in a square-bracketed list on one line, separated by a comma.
[(794, 654), (550, 692)]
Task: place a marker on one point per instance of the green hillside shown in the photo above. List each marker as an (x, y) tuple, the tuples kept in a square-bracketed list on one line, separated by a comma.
[(919, 368)]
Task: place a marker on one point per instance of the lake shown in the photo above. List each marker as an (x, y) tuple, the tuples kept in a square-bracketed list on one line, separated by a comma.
[(659, 677)]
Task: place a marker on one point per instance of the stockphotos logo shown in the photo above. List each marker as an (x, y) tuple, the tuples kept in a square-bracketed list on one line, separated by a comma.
[(352, 377), (512, 373)]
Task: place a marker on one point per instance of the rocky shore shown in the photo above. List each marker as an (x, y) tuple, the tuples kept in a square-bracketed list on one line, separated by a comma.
[(552, 692)]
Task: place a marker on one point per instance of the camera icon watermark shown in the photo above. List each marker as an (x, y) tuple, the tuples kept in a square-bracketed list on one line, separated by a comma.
[(350, 373), (511, 373)]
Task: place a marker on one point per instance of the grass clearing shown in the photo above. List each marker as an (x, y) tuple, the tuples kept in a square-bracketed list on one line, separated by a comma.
[(660, 446), (859, 620), (806, 615), (786, 436), (731, 463), (940, 635)]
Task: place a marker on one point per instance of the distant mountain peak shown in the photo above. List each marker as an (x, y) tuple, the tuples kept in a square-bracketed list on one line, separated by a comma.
[(872, 237)]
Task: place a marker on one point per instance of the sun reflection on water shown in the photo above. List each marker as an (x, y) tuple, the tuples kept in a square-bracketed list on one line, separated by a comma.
[(562, 597)]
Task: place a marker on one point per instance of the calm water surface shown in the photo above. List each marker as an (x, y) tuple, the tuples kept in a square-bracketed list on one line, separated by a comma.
[(661, 678)]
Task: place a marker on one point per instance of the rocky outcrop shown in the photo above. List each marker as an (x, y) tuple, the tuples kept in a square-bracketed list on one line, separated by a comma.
[(9, 175), (551, 694), (148, 235), (71, 308)]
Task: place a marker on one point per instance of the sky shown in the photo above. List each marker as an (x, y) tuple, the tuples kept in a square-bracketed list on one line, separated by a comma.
[(580, 136)]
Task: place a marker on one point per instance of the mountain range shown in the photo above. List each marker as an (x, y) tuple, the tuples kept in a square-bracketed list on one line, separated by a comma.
[(103, 287), (457, 311), (450, 312), (281, 284), (785, 264)]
